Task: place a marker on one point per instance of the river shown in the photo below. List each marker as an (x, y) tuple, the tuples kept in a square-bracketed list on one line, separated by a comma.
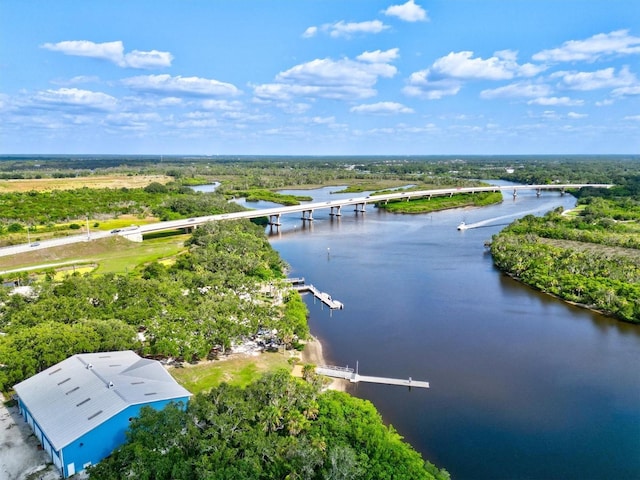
[(523, 386)]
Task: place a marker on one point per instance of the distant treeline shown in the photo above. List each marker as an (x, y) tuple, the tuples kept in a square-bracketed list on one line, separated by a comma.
[(519, 168)]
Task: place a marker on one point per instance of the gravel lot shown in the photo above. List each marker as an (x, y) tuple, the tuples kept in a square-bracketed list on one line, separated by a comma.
[(21, 457)]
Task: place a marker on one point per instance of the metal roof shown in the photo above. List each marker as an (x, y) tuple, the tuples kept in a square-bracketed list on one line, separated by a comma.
[(76, 395)]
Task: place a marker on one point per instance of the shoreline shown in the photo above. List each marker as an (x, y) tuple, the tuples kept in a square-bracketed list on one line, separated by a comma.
[(313, 354)]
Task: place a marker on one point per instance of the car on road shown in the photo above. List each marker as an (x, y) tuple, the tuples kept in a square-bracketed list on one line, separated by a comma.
[(34, 244), (116, 230)]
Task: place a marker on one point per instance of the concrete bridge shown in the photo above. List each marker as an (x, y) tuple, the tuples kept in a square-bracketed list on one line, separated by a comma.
[(305, 211), (359, 205)]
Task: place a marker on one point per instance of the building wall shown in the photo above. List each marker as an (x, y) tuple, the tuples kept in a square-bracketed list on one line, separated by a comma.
[(96, 444), (42, 438)]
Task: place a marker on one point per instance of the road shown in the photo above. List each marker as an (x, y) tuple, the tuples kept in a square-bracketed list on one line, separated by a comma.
[(190, 223)]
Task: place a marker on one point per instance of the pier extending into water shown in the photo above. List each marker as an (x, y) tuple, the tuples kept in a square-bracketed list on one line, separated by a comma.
[(325, 298), (353, 376)]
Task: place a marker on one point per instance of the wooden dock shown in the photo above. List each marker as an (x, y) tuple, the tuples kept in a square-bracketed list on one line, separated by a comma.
[(354, 377), (324, 297)]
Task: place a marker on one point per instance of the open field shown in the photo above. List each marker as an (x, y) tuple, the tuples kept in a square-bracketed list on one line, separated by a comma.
[(238, 370), (595, 248), (98, 181), (114, 254)]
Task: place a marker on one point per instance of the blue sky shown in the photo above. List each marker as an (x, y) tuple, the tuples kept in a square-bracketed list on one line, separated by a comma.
[(320, 77)]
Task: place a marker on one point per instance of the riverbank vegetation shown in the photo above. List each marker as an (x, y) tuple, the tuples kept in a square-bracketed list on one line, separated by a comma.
[(434, 204), (276, 427), (257, 194), (592, 258)]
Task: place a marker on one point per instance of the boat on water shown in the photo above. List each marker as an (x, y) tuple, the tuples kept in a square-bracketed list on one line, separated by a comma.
[(462, 226)]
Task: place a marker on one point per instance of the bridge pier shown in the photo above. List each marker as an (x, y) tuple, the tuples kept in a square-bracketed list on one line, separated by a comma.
[(515, 193), (361, 209), (562, 192), (275, 220), (307, 215), (337, 212), (538, 192)]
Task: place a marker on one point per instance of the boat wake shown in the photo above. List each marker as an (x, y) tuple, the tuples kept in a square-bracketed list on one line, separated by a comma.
[(482, 223)]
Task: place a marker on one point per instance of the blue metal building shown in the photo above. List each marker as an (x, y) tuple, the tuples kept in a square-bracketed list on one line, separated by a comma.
[(80, 408)]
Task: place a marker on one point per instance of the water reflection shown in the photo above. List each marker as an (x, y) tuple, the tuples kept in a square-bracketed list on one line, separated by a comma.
[(523, 385)]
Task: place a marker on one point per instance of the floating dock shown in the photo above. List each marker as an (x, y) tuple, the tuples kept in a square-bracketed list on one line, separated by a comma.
[(354, 377)]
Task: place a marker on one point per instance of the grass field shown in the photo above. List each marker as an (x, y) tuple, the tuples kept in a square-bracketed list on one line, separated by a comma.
[(98, 181), (237, 370), (114, 254)]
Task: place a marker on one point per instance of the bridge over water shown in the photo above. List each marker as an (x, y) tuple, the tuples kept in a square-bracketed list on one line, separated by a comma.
[(306, 211), (335, 207)]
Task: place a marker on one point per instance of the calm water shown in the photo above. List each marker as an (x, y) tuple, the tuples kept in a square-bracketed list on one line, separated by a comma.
[(522, 386)]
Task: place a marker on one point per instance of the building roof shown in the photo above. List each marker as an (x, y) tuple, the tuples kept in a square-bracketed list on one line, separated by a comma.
[(76, 395)]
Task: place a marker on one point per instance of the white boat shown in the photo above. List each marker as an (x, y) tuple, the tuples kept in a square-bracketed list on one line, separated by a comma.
[(462, 226)]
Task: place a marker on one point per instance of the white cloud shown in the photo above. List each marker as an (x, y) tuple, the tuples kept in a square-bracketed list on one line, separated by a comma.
[(310, 32), (112, 52), (550, 115), (379, 56), (556, 101), (382, 108), (419, 85), (626, 91), (74, 98), (409, 12), (293, 108), (576, 115), (343, 29), (618, 42), (633, 117), (197, 123), (244, 117), (83, 79), (180, 86), (343, 79), (517, 90), (446, 74), (287, 92), (148, 60), (319, 120), (223, 105), (605, 78), (502, 66), (151, 103), (132, 121)]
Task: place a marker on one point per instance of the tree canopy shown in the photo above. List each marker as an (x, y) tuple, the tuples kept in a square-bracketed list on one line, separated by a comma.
[(278, 427), (210, 298), (592, 258)]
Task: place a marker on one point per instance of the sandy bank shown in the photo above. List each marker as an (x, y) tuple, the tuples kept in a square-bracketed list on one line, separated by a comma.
[(312, 354)]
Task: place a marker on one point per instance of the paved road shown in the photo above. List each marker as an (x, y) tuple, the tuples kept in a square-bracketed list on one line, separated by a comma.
[(305, 207), (55, 242)]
